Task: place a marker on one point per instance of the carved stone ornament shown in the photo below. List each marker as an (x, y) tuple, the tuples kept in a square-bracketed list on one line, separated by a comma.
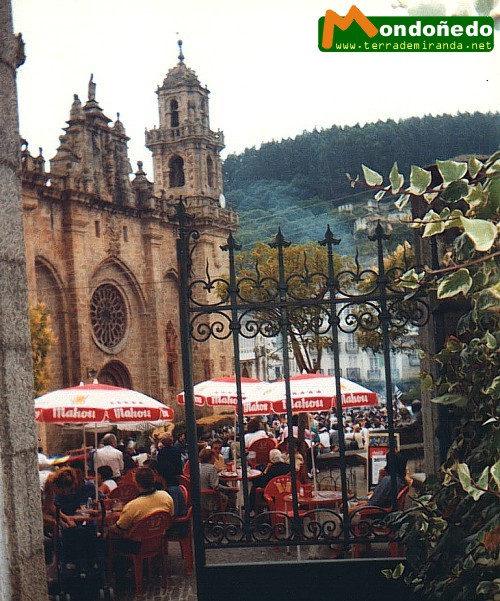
[(108, 316)]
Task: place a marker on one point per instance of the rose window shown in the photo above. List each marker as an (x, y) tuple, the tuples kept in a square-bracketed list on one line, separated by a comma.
[(108, 316)]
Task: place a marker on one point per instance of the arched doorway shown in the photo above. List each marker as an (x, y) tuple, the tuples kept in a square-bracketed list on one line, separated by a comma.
[(115, 373)]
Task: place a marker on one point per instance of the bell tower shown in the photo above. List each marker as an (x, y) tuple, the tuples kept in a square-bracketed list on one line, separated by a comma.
[(186, 152)]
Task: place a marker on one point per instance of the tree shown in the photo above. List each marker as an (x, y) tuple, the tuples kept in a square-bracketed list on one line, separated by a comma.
[(42, 340), (305, 269), (452, 532)]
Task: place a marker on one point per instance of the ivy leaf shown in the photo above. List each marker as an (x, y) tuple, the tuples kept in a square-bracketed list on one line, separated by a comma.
[(495, 472), (433, 228), (451, 170), (430, 196), (481, 232), (420, 180), (398, 571), (455, 191), (372, 178), (464, 476), (481, 483), (494, 388), (402, 201), (450, 399), (474, 167), (453, 284), (491, 342), (380, 194), (427, 382), (396, 179)]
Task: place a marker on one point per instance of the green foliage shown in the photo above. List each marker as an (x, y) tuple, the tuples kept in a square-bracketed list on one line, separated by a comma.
[(300, 182), (305, 266), (452, 532), (42, 340)]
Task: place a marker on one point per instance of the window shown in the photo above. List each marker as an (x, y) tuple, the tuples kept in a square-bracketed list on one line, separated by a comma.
[(108, 316), (125, 233), (97, 225), (176, 172), (210, 172), (174, 113)]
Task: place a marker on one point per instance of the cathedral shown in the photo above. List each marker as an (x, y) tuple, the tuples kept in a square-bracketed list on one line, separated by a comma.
[(101, 247)]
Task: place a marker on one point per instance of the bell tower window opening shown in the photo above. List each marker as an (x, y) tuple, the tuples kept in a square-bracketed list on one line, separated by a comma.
[(210, 172), (176, 172), (174, 113)]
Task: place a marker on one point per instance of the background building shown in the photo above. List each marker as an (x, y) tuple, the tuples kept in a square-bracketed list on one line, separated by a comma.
[(101, 248)]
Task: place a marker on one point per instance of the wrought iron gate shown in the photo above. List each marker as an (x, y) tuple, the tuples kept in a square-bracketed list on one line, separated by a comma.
[(217, 308)]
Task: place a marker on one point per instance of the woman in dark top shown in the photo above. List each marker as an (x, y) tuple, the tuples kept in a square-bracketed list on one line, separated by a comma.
[(275, 467)]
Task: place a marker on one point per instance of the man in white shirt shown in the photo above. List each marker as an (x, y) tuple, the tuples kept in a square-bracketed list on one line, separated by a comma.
[(109, 455)]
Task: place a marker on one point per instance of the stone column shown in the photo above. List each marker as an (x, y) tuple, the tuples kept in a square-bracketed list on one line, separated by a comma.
[(22, 570)]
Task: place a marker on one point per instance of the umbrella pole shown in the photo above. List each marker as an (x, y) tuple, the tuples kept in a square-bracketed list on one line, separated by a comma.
[(314, 468), (85, 454), (95, 471)]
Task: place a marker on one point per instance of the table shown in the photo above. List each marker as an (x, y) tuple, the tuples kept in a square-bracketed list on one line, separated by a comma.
[(237, 476), (318, 498), (234, 476)]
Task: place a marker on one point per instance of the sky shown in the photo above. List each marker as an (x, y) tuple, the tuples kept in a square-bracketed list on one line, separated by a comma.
[(259, 59)]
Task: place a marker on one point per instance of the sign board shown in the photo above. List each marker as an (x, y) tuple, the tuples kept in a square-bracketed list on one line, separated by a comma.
[(378, 448)]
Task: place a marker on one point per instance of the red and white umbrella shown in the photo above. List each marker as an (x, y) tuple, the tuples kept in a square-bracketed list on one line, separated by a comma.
[(317, 392), (221, 392), (98, 403)]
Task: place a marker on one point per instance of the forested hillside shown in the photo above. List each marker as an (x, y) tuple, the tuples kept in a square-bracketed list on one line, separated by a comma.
[(299, 183)]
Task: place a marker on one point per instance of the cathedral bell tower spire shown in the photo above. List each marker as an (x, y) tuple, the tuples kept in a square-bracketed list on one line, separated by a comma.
[(186, 152)]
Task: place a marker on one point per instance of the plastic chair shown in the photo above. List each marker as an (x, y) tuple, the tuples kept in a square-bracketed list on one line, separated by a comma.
[(186, 483), (375, 514), (275, 492), (182, 535), (261, 448), (148, 535), (124, 492), (185, 470)]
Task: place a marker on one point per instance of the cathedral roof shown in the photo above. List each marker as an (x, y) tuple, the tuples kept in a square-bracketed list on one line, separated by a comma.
[(180, 74)]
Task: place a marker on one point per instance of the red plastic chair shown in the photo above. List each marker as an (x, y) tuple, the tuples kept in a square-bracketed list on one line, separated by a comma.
[(185, 469), (261, 448), (186, 483), (124, 492), (149, 535), (377, 513), (184, 539), (275, 492)]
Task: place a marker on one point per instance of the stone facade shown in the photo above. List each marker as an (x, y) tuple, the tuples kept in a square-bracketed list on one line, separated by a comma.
[(101, 249), (22, 574)]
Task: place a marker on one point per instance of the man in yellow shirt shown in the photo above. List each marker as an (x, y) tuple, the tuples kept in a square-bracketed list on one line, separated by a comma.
[(147, 502)]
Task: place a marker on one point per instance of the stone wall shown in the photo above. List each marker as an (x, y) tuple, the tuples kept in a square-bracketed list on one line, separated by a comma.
[(22, 573)]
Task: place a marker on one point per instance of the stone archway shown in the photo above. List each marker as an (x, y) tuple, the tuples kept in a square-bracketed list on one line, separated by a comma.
[(115, 373)]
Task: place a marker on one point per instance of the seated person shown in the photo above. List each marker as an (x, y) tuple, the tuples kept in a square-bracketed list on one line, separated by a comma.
[(275, 467), (149, 501), (220, 464), (71, 490), (209, 480), (105, 479), (299, 459), (160, 483), (255, 430), (380, 496), (324, 441), (354, 439)]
